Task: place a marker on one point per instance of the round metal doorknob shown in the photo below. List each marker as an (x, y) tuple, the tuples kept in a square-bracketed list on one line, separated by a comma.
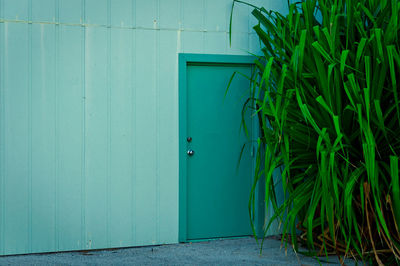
[(190, 152)]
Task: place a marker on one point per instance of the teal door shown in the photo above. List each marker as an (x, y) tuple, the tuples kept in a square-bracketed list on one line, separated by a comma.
[(217, 192)]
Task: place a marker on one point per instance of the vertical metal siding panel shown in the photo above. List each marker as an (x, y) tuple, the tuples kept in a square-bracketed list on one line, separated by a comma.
[(278, 6), (193, 26), (108, 121), (169, 14), (56, 124), (70, 11), (83, 148), (157, 85), (179, 41), (168, 137), (70, 115), (133, 127), (255, 45), (249, 29), (158, 158), (146, 14), (43, 10), (240, 18), (29, 133), (192, 41), (181, 14), (240, 28), (193, 12), (227, 42), (16, 9), (204, 26), (96, 12), (121, 138), (121, 13), (96, 136), (16, 135), (216, 17), (215, 42), (240, 43), (145, 139), (2, 127), (216, 23), (43, 138)]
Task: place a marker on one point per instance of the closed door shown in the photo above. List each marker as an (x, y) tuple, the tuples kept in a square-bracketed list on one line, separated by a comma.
[(217, 190)]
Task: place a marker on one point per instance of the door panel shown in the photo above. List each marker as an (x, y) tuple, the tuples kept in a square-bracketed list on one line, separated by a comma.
[(217, 191)]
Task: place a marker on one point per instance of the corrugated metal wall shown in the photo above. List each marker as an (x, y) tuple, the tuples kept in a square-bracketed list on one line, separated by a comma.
[(89, 116)]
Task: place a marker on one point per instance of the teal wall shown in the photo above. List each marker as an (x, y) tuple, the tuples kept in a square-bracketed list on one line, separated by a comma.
[(89, 116)]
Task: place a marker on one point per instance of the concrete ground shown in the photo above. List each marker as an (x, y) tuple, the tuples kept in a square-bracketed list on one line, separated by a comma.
[(241, 251)]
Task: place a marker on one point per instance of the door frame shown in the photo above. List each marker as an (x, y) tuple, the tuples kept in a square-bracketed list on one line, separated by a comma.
[(186, 60)]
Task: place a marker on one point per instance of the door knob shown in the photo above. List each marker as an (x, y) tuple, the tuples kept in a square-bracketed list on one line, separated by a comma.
[(190, 152)]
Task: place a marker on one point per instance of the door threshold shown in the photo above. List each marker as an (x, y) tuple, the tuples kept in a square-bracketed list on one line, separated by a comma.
[(216, 238)]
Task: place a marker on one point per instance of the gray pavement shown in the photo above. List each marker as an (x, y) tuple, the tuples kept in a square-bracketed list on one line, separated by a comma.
[(241, 251)]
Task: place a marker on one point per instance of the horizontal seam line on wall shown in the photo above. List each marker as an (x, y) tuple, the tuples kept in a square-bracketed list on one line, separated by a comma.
[(116, 27)]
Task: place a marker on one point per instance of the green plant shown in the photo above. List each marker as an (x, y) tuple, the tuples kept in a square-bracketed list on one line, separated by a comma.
[(326, 94)]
